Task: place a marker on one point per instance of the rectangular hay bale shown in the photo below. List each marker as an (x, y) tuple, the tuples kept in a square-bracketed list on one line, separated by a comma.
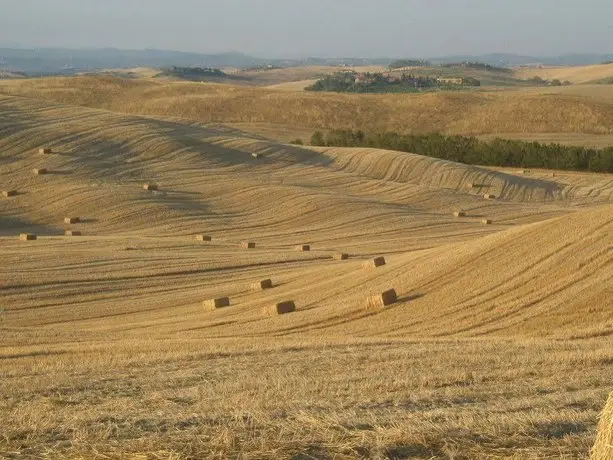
[(45, 150), (257, 156), (248, 245), (262, 285), (486, 222), (150, 187), (214, 304), (374, 263), (9, 193), (489, 196), (39, 171), (207, 238), (303, 248), (27, 237), (382, 300), (280, 308), (341, 256), (459, 214), (72, 233), (71, 220)]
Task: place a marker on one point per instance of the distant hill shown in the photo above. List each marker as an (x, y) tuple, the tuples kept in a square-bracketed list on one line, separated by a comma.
[(63, 61), (513, 60), (48, 61)]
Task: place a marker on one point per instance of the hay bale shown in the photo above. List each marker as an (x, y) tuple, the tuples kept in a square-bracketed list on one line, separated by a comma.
[(459, 214), (247, 245), (45, 151), (471, 185), (39, 171), (72, 233), (207, 238), (257, 156), (489, 196), (214, 304), (150, 187), (303, 248), (486, 222), (341, 256), (9, 193), (603, 448), (383, 300), (374, 263), (280, 308), (27, 237), (71, 220), (262, 285)]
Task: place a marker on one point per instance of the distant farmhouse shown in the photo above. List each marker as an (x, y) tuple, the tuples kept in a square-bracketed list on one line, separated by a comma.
[(450, 80)]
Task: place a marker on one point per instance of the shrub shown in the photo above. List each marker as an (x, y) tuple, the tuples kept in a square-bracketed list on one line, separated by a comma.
[(318, 139)]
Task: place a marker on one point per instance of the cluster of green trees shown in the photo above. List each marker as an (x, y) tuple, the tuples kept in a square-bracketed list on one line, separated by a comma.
[(470, 150), (400, 63), (538, 81), (198, 73), (478, 66), (346, 82)]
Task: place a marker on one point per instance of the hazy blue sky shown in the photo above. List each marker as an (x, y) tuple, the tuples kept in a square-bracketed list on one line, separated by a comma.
[(299, 28)]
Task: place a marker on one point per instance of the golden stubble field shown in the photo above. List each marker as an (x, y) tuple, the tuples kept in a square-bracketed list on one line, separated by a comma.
[(500, 345)]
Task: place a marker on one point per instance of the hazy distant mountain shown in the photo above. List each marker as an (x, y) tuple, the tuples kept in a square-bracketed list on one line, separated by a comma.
[(48, 61), (511, 60), (58, 60)]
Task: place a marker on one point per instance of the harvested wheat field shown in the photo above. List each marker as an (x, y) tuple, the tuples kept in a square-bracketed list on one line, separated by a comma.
[(499, 343)]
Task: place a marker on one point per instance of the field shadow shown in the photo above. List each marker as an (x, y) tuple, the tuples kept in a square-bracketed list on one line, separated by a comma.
[(32, 354), (409, 298), (12, 226)]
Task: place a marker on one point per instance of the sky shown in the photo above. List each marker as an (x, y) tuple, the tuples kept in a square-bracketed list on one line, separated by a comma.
[(323, 28)]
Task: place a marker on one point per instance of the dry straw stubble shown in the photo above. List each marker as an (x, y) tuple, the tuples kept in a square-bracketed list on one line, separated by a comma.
[(603, 448)]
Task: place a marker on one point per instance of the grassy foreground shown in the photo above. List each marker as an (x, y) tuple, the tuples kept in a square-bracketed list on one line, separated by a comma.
[(188, 399)]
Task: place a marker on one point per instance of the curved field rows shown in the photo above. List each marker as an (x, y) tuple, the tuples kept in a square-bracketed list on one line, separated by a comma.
[(360, 201), (499, 345)]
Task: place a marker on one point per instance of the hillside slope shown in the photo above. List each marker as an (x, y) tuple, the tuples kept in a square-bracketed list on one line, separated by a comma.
[(470, 113), (364, 202)]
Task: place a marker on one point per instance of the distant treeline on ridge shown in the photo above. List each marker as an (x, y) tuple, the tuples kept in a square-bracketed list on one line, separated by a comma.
[(470, 150)]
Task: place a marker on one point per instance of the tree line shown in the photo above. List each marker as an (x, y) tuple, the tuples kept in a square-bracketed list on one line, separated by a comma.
[(470, 150)]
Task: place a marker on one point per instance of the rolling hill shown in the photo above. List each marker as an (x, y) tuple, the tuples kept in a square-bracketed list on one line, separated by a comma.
[(500, 339)]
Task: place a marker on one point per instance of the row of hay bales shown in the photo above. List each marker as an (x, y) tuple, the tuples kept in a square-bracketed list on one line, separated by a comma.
[(39, 172), (36, 171), (463, 214), (68, 232), (487, 196), (375, 302)]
